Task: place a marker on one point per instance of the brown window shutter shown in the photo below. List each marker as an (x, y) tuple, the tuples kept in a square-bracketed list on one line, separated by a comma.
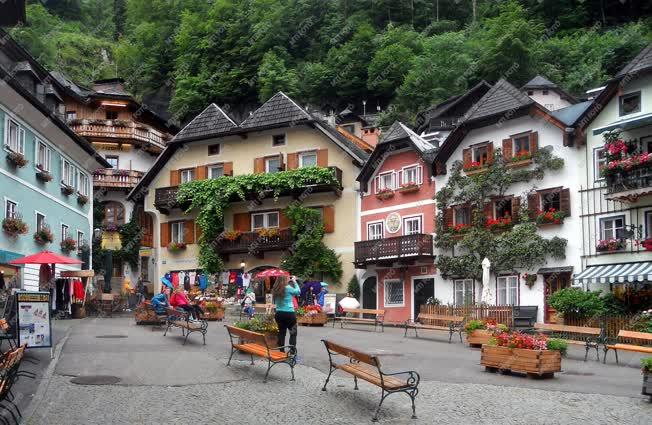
[(516, 206), (449, 213), (507, 149), (466, 156), (488, 210), (198, 232), (242, 222), (490, 153), (175, 177), (564, 202), (322, 158), (283, 221), (228, 168), (533, 204), (165, 234), (329, 219), (293, 161), (201, 172), (259, 165), (282, 162), (189, 232), (534, 142)]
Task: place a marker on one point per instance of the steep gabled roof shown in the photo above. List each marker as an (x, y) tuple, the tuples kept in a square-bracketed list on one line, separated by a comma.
[(399, 131), (501, 98), (642, 62), (539, 82), (279, 109), (212, 120)]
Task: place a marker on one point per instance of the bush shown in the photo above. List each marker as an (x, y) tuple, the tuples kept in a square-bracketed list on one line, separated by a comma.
[(646, 364), (557, 345), (577, 302), (354, 287)]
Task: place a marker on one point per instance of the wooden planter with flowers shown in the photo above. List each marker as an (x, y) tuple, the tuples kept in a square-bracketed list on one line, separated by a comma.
[(646, 368), (409, 187), (478, 338), (311, 316), (534, 355), (213, 310), (385, 194), (480, 332)]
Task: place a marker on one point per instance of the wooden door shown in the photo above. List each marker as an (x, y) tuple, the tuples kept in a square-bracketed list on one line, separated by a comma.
[(554, 283)]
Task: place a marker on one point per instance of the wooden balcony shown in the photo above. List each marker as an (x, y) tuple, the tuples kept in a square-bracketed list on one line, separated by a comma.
[(404, 249), (630, 185), (165, 199), (116, 179), (253, 244), (116, 130)]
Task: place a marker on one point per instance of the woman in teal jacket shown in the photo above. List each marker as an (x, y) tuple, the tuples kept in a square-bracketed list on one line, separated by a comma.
[(286, 318)]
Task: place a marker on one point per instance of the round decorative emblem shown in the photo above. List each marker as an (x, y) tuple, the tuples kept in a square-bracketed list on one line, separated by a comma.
[(393, 222)]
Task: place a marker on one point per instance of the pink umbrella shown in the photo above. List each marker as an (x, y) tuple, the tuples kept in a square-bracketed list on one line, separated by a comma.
[(272, 273)]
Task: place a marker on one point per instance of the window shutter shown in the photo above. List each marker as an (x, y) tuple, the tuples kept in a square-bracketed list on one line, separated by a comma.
[(228, 168), (516, 206), (329, 219), (242, 222), (322, 157), (293, 161), (165, 234), (201, 172), (376, 184), (507, 149), (564, 201), (189, 232), (175, 177), (283, 221), (490, 153), (198, 232), (467, 158), (259, 165), (449, 213), (533, 204), (534, 142), (420, 174)]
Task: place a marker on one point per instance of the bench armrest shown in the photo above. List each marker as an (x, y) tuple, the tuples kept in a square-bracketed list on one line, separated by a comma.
[(610, 340), (412, 378)]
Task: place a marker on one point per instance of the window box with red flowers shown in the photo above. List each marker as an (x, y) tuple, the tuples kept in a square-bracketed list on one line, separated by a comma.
[(521, 159), (552, 216), (43, 235), (82, 199), (43, 175), (475, 167), (67, 190), (17, 159), (647, 244), (14, 226), (499, 224), (176, 247), (522, 353), (385, 194), (611, 245), (68, 245), (409, 187), (460, 229)]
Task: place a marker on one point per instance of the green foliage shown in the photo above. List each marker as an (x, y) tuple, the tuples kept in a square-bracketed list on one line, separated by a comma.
[(354, 287), (257, 324), (273, 76), (577, 302), (646, 364), (557, 345), (474, 325), (130, 237)]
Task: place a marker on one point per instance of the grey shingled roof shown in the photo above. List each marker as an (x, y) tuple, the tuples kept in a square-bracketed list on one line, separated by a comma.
[(213, 120), (279, 109), (539, 82), (502, 97), (570, 114), (642, 62), (399, 131)]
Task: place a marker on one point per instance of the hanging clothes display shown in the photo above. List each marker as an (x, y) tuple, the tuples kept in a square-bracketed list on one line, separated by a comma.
[(203, 281), (246, 280), (193, 279), (232, 277), (175, 279)]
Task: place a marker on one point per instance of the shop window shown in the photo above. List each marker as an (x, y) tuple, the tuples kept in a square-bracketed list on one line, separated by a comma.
[(177, 231), (412, 225), (463, 292), (507, 290), (630, 103), (394, 293), (114, 213), (612, 227), (308, 159), (264, 220)]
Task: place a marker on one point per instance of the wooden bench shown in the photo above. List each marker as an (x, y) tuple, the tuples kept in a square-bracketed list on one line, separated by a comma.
[(9, 372), (367, 367), (181, 319), (379, 317), (255, 344), (6, 334), (594, 336), (613, 344), (454, 324)]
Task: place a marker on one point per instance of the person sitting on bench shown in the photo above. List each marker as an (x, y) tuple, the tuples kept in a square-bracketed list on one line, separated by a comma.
[(160, 301), (180, 300)]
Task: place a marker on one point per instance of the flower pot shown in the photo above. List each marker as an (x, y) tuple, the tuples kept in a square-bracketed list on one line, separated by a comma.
[(16, 159), (478, 337), (475, 171), (82, 199), (78, 311), (43, 176), (519, 164), (541, 363), (318, 319)]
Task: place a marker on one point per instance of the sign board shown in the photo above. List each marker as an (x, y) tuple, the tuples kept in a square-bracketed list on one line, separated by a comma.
[(33, 319), (330, 301)]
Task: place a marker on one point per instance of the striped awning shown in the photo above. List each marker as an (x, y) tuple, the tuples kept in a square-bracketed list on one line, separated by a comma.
[(616, 273)]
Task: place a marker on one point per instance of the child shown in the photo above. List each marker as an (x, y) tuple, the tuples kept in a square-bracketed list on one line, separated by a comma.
[(248, 303)]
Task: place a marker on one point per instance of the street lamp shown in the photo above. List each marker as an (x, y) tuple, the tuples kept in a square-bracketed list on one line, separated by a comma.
[(243, 264), (97, 233)]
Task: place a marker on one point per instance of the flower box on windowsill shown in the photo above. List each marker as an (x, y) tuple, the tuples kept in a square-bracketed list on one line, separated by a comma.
[(14, 226), (520, 160), (470, 171), (408, 188), (82, 199), (17, 159), (43, 175), (385, 194), (43, 236), (68, 245), (611, 246), (175, 247), (67, 190)]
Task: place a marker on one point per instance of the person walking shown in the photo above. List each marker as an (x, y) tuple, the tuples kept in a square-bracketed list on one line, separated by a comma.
[(283, 292)]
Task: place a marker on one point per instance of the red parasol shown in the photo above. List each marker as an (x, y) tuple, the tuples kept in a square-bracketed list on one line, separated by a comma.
[(45, 257), (272, 273)]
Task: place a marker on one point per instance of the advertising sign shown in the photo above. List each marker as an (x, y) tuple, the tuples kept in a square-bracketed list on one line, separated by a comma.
[(330, 302), (33, 319)]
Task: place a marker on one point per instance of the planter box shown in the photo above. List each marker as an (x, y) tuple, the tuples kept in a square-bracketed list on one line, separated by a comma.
[(478, 337), (384, 195), (647, 385), (409, 189), (78, 311), (319, 319), (476, 171), (216, 315), (541, 363), (270, 337), (519, 164), (145, 316)]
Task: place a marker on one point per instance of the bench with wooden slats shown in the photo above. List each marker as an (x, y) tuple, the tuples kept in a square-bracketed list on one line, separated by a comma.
[(255, 344), (378, 319), (453, 324), (181, 319), (593, 335), (367, 367), (613, 344), (6, 334)]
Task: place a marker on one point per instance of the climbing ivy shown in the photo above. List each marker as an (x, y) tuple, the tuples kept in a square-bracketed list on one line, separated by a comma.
[(211, 197), (517, 247)]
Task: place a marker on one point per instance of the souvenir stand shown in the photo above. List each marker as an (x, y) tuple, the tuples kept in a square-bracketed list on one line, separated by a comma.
[(78, 283)]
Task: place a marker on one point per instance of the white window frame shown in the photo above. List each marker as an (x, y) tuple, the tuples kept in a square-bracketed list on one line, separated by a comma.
[(307, 153), (17, 145), (638, 93), (14, 208), (214, 167), (373, 224), (71, 115), (80, 240), (36, 215), (507, 289), (83, 183), (285, 140), (465, 283), (179, 228), (273, 158), (388, 282), (597, 162), (413, 218), (380, 182), (418, 174), (266, 216), (47, 165), (65, 231), (647, 220), (186, 172), (614, 229), (67, 173)]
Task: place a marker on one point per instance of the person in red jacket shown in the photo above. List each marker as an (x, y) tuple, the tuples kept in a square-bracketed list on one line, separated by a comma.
[(180, 300)]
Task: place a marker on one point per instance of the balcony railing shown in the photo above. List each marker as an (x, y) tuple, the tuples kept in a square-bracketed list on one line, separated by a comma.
[(635, 181), (111, 178), (117, 129), (165, 199), (255, 244), (388, 250)]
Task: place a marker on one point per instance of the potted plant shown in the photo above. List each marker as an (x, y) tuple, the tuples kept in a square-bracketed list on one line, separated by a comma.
[(499, 223), (474, 166), (647, 244), (67, 190), (520, 159), (17, 159), (213, 310), (111, 227), (265, 325), (530, 279), (68, 245), (43, 175), (311, 315), (385, 193), (43, 235), (409, 187), (460, 229), (646, 367), (611, 245), (576, 302), (552, 216), (14, 226), (517, 352), (268, 232), (433, 301), (84, 248), (176, 247), (82, 199), (479, 332)]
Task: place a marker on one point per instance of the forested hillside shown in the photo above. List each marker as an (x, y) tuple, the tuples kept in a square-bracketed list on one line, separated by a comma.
[(403, 55)]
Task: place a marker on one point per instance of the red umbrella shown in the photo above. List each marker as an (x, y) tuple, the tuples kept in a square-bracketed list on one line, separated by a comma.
[(45, 257), (272, 273)]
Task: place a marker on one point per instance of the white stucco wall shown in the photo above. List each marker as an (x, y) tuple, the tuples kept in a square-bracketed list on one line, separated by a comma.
[(552, 101)]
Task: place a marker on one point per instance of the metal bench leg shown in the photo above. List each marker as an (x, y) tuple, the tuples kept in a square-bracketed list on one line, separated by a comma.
[(233, 350), (460, 333), (413, 396), (597, 352), (269, 367), (252, 359), (450, 335), (382, 398), (616, 353), (167, 328), (186, 338), (586, 355), (203, 334), (355, 379), (328, 378)]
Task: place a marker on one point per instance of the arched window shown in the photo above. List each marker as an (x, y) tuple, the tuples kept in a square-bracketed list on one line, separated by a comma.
[(114, 213)]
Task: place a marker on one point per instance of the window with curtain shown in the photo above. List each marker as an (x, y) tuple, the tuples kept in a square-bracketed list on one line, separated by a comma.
[(114, 213)]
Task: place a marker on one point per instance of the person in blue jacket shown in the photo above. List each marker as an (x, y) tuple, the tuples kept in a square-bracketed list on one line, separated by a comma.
[(286, 318), (160, 301), (324, 291)]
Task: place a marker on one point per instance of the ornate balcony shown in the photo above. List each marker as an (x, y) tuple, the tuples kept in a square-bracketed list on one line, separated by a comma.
[(630, 185), (116, 130), (406, 249), (254, 244), (116, 179)]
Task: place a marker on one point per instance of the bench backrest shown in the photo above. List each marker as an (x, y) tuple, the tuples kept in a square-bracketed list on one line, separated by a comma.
[(364, 311), (173, 312), (567, 329), (442, 317), (635, 335), (351, 353), (254, 337)]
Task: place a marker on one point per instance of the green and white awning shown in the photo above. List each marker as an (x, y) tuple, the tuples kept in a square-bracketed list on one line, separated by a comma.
[(616, 273)]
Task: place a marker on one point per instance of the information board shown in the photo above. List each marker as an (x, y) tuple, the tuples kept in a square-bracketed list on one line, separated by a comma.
[(33, 319)]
